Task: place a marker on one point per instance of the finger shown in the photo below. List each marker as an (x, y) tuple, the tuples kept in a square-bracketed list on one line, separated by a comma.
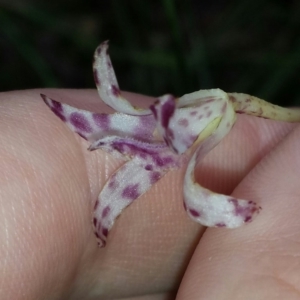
[(42, 212), (45, 195), (259, 261)]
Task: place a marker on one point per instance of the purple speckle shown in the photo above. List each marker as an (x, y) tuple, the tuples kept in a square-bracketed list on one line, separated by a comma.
[(183, 122), (134, 148), (149, 168), (209, 113), (220, 225), (193, 113), (154, 177), (167, 111), (96, 205), (57, 108), (168, 160), (191, 139), (131, 192), (235, 203), (95, 221), (113, 182), (200, 117), (100, 144), (119, 146), (194, 212), (105, 231), (162, 161), (96, 78), (248, 219), (209, 100), (80, 122), (244, 211), (105, 211), (115, 90), (102, 121)]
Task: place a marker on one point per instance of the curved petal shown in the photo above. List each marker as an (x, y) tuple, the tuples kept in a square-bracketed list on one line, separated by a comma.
[(132, 180), (92, 126), (181, 127), (205, 206), (155, 154), (107, 83)]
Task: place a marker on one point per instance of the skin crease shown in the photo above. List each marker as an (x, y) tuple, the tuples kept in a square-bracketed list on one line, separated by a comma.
[(49, 183)]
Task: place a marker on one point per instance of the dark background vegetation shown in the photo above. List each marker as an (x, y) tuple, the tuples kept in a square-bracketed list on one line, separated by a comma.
[(249, 46)]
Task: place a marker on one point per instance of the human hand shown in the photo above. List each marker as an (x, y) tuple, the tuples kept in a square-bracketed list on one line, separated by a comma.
[(49, 183)]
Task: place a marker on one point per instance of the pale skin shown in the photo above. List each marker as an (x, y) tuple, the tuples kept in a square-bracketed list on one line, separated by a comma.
[(49, 182)]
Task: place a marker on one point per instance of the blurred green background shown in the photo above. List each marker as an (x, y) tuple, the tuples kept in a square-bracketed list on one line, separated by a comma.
[(157, 47)]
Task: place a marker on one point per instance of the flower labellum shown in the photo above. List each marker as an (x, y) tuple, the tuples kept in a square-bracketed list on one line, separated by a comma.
[(153, 141)]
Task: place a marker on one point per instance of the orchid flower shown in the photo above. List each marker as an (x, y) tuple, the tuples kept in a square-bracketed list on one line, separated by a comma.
[(155, 140)]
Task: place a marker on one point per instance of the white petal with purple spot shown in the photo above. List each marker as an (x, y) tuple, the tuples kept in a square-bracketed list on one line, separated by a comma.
[(126, 185), (181, 127), (209, 208), (107, 84), (93, 126)]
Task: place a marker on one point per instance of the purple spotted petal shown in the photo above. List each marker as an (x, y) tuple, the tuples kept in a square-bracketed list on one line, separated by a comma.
[(181, 127), (107, 84), (155, 154), (149, 162), (93, 126), (205, 206), (131, 181)]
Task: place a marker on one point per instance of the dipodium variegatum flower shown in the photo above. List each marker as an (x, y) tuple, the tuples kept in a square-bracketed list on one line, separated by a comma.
[(153, 141)]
